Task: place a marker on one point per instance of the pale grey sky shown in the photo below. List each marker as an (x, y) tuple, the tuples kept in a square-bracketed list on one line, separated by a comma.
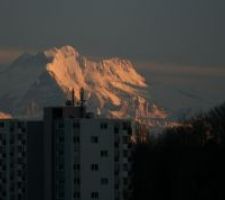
[(177, 31)]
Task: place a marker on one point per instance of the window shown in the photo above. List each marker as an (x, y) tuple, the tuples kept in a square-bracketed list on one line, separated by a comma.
[(94, 139), (94, 167), (116, 186), (19, 184), (61, 166), (61, 125), (20, 149), (76, 139), (2, 124), (20, 125), (19, 136), (116, 144), (125, 167), (116, 130), (12, 141), (116, 158), (125, 153), (104, 153), (76, 195), (125, 139), (104, 181), (76, 181), (23, 130), (125, 181), (94, 195), (103, 125), (76, 125), (126, 125), (23, 142), (61, 139), (76, 166), (12, 127)]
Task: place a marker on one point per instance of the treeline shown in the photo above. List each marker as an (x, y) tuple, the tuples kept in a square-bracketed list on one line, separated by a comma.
[(184, 163)]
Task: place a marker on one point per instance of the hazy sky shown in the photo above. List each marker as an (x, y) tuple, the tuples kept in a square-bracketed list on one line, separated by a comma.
[(179, 31)]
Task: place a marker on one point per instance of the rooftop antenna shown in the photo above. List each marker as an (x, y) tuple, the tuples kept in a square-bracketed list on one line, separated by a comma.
[(73, 97), (70, 102), (82, 103), (82, 99)]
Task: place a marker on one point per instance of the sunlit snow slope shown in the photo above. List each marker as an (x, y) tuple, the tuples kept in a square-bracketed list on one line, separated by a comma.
[(113, 87)]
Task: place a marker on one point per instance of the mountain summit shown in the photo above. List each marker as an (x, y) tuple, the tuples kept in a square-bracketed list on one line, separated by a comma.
[(113, 88)]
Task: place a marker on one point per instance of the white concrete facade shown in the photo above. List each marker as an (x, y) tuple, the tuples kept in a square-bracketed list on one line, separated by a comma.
[(92, 159)]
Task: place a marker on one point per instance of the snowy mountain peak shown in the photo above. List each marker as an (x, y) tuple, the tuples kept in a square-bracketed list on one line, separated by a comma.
[(113, 87), (65, 51)]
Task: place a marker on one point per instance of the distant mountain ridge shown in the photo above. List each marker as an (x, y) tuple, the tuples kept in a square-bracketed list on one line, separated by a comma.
[(112, 86)]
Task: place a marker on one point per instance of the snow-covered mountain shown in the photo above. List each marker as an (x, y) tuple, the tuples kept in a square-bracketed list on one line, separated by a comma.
[(5, 116), (112, 86), (184, 91)]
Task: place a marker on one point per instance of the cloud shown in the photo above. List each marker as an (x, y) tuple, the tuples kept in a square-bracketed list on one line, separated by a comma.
[(8, 55)]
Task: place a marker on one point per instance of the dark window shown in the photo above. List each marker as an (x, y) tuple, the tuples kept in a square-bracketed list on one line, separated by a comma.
[(76, 139), (129, 145), (12, 141), (12, 189), (94, 139), (116, 144), (76, 181), (76, 166), (19, 125), (116, 158), (103, 125), (2, 124), (61, 151), (12, 165), (125, 139), (76, 125), (116, 130), (125, 195), (125, 181), (126, 125), (104, 153), (94, 167), (11, 177), (61, 139), (125, 167), (94, 195), (20, 149), (104, 181), (61, 125), (76, 195), (117, 186), (11, 127), (19, 172), (125, 153), (23, 130), (61, 166), (19, 184), (19, 136), (23, 142), (4, 142)]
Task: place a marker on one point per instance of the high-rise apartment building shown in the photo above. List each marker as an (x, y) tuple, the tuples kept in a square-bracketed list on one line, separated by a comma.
[(70, 155), (86, 157), (21, 171)]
